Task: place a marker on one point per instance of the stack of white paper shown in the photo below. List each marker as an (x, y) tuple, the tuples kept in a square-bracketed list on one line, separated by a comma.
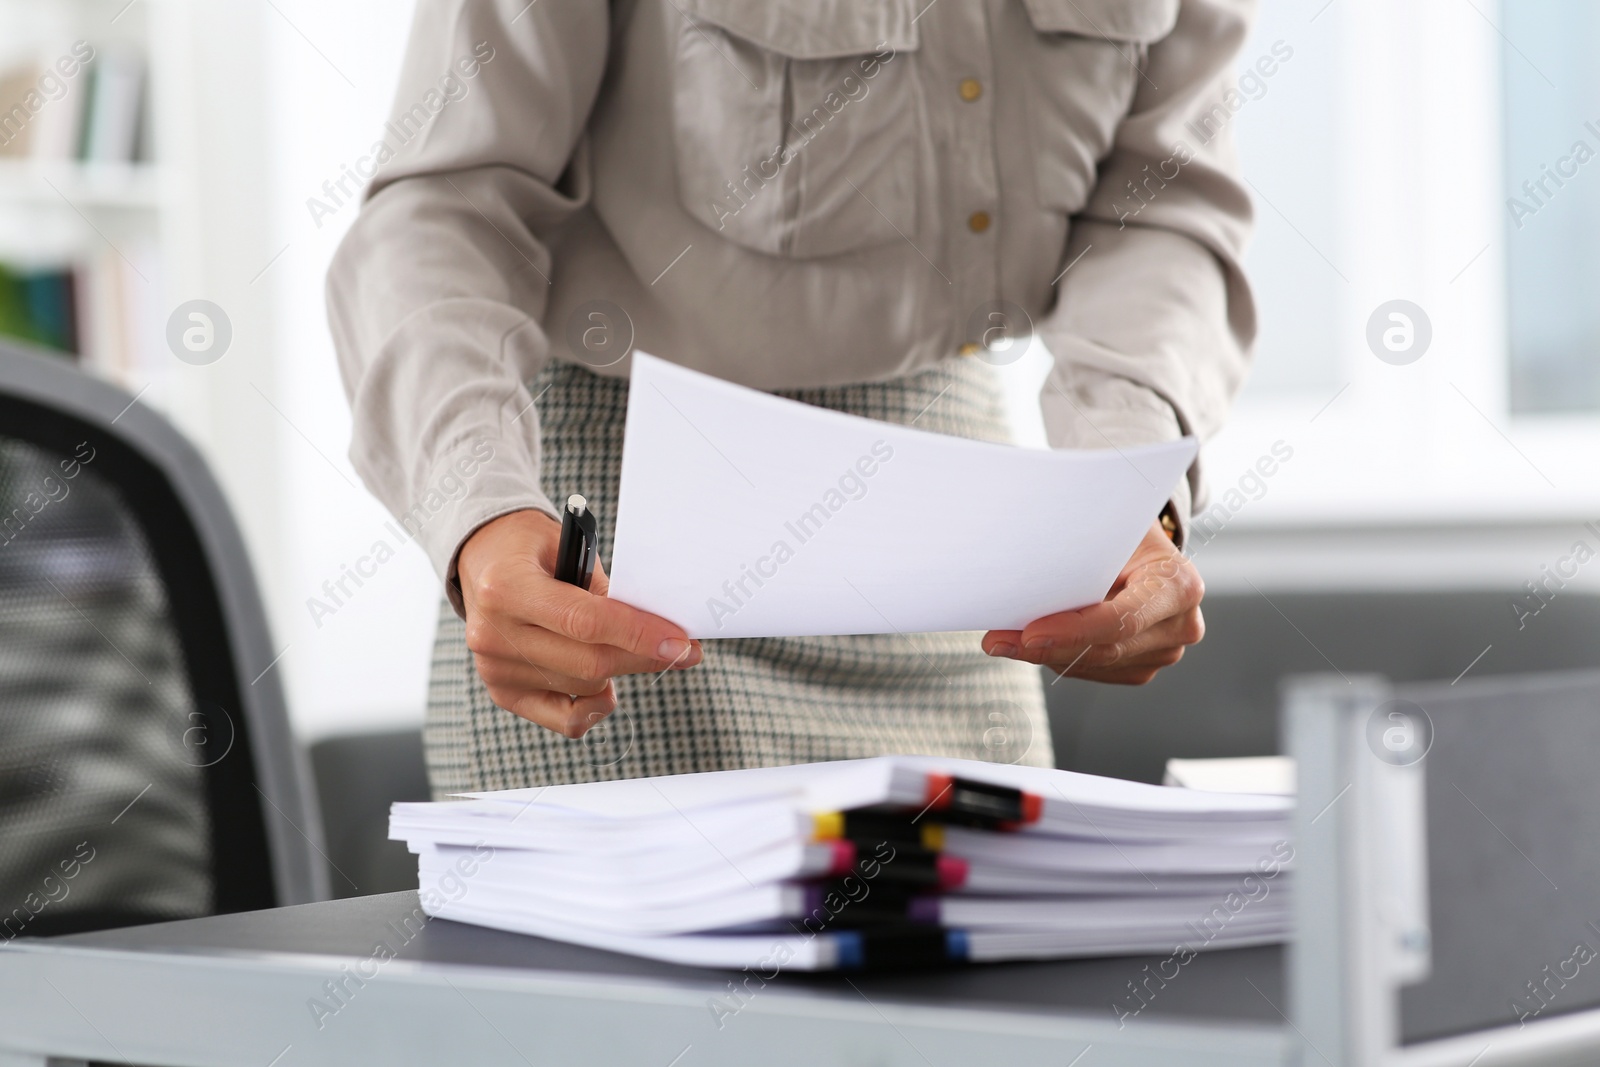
[(892, 861)]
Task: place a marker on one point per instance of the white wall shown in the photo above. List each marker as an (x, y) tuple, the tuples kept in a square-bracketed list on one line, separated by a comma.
[(331, 70)]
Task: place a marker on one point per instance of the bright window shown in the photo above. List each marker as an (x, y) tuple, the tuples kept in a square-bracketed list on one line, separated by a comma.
[(1381, 156), (1552, 142)]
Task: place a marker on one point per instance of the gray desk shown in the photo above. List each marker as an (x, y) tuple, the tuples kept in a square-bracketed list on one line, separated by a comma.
[(1512, 811), (238, 990)]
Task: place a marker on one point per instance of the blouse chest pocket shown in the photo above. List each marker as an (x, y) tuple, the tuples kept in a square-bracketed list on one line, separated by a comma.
[(1087, 67), (798, 124)]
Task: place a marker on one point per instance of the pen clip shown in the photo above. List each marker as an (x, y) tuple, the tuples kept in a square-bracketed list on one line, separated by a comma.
[(579, 542)]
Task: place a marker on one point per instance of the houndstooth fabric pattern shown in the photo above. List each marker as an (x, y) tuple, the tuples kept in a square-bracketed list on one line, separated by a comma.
[(751, 702)]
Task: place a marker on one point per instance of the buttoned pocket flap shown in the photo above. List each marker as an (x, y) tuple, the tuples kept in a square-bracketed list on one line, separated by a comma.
[(1137, 21), (799, 124), (815, 29)]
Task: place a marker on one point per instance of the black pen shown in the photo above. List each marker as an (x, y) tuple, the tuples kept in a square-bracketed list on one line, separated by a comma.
[(579, 539)]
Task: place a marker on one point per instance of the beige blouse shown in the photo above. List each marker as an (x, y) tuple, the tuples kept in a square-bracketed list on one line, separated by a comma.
[(788, 193)]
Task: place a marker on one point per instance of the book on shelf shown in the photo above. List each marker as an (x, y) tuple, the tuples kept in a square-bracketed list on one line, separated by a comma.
[(78, 105), (97, 307), (40, 306), (112, 125)]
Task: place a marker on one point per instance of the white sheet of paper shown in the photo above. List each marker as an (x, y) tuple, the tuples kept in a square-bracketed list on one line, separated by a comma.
[(1272, 775), (743, 514)]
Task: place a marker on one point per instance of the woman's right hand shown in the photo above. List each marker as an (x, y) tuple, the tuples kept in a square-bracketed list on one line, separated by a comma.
[(546, 650)]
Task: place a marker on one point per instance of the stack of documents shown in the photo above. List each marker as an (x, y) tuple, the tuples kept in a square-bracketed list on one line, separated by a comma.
[(887, 862)]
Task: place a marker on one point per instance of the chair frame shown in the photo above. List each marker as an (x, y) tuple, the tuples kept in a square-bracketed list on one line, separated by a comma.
[(1360, 903), (266, 829)]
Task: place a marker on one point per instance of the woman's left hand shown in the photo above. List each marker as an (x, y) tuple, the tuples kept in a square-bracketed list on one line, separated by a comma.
[(1151, 614)]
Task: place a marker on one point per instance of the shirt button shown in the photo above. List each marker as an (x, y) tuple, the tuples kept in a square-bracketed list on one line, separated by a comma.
[(970, 89), (978, 221), (969, 349)]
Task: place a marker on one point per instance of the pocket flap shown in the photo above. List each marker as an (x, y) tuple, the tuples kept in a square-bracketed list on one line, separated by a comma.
[(813, 29), (1142, 21)]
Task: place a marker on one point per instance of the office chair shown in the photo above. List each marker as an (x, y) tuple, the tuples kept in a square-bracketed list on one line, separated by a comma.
[(358, 776), (1222, 699), (147, 771)]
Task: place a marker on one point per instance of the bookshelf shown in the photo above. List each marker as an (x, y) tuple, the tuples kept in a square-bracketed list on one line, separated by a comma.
[(103, 186), (77, 151), (156, 198)]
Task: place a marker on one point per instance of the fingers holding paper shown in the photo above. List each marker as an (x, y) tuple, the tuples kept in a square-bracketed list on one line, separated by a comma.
[(1150, 616), (546, 650)]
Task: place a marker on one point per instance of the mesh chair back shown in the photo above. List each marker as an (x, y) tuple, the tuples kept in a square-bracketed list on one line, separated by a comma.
[(142, 775)]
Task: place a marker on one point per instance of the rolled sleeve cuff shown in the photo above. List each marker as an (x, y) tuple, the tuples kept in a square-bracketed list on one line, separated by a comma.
[(1095, 409), (472, 484)]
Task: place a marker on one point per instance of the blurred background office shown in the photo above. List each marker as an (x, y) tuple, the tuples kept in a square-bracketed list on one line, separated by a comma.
[(1425, 153)]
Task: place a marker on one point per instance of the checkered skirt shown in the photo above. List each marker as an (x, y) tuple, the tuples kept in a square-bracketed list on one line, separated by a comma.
[(751, 702)]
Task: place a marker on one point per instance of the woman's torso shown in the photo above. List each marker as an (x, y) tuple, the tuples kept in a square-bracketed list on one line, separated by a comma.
[(810, 192)]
